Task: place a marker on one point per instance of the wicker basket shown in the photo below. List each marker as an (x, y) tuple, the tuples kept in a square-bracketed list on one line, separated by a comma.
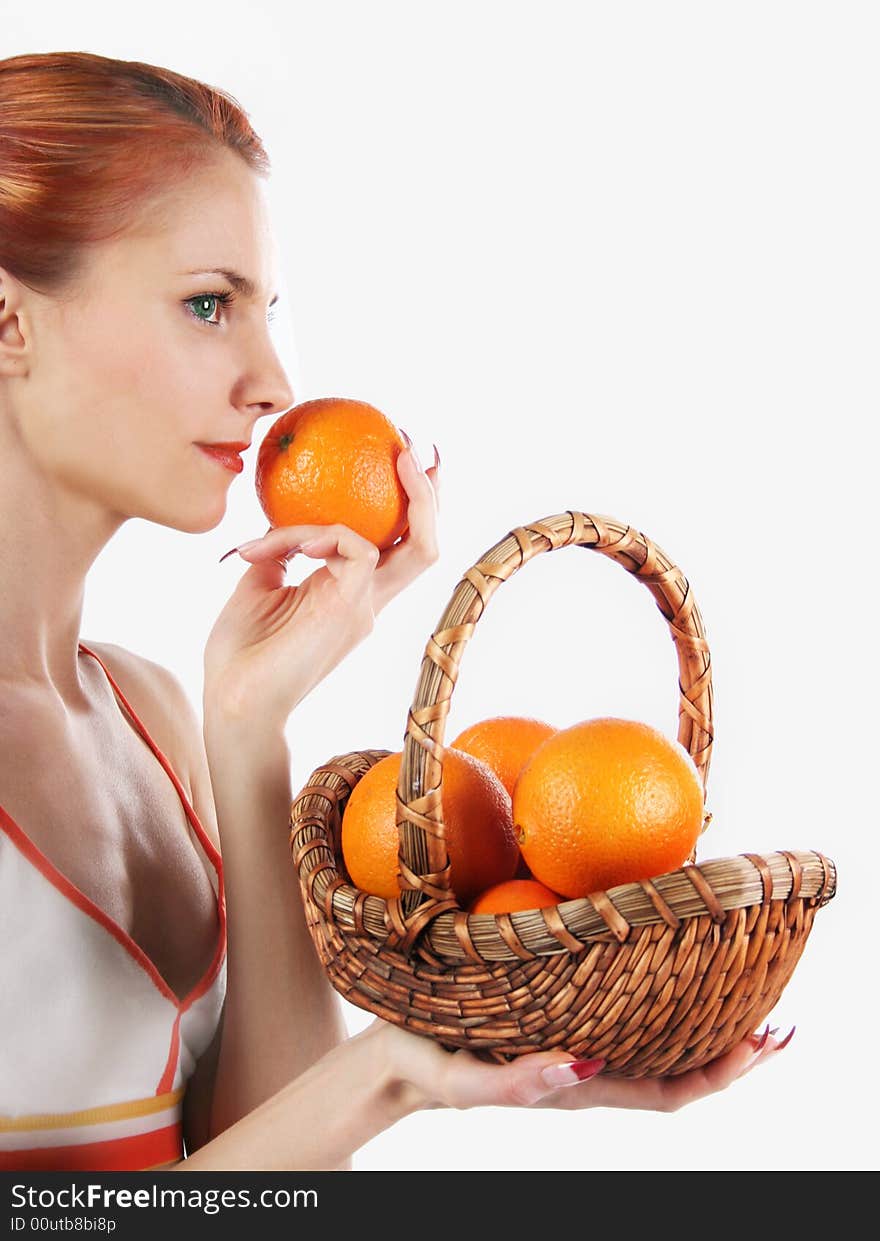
[(655, 977)]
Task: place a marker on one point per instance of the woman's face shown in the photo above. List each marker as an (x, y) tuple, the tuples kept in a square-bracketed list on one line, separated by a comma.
[(141, 363)]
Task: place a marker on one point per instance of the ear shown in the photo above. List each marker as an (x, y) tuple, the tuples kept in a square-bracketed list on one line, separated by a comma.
[(14, 348)]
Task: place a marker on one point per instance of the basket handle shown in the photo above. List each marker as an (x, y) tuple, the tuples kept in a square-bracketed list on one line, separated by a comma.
[(424, 869)]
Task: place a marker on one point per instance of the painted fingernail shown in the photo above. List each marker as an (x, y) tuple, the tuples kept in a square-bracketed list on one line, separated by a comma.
[(412, 450), (436, 456), (759, 1041), (226, 554), (289, 555), (572, 1073), (785, 1042), (246, 547)]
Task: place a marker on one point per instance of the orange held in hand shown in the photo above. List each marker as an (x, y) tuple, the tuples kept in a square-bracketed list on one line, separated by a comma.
[(334, 461), (605, 802), (507, 898), (477, 817)]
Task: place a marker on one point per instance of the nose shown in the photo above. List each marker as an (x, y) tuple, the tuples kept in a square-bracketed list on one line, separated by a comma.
[(264, 386)]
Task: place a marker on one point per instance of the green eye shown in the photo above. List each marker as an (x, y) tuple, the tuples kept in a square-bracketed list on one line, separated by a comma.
[(201, 305)]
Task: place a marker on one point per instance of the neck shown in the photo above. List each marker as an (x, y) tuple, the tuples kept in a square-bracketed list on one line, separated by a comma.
[(51, 535)]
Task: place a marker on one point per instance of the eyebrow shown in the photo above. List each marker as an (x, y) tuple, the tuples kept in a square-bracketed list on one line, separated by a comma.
[(240, 283)]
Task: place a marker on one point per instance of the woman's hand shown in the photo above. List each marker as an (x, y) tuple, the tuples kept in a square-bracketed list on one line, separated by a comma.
[(435, 1077), (273, 643)]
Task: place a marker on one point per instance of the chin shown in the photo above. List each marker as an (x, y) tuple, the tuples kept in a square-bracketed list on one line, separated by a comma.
[(203, 522), (197, 521)]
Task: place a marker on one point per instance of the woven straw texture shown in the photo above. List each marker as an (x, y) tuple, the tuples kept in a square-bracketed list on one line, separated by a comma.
[(655, 977)]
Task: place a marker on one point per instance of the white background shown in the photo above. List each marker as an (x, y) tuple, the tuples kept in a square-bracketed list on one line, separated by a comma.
[(613, 257)]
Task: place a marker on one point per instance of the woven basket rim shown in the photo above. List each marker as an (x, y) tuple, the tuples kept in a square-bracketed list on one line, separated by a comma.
[(716, 887)]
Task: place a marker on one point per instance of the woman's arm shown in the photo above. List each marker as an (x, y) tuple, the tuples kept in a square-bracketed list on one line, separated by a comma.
[(281, 1012), (270, 646), (315, 1123)]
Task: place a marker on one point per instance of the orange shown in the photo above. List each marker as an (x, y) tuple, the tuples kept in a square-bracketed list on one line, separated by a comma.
[(605, 802), (505, 898), (505, 743), (334, 461), (477, 815)]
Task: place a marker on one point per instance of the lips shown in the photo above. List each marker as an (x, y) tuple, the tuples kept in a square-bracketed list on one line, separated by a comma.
[(226, 454)]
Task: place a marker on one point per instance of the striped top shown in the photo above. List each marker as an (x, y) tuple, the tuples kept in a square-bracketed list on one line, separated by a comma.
[(95, 1047)]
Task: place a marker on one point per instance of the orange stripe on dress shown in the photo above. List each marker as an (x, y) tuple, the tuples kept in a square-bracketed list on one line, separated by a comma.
[(134, 1154), (167, 1079), (92, 1115)]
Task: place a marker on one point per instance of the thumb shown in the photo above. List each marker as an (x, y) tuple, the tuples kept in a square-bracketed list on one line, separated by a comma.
[(262, 575), (538, 1079), (521, 1082), (268, 572)]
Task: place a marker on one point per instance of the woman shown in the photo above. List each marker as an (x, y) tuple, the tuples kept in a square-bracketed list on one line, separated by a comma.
[(137, 267)]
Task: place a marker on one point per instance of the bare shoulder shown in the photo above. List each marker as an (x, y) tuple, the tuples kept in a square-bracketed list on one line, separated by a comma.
[(166, 711), (155, 692)]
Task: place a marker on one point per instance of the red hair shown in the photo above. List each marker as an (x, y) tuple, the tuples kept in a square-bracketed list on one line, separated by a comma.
[(87, 141)]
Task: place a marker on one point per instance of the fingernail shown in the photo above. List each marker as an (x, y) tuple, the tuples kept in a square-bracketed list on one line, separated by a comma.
[(785, 1042), (411, 447), (572, 1073), (226, 554), (759, 1041), (246, 547), (436, 456)]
